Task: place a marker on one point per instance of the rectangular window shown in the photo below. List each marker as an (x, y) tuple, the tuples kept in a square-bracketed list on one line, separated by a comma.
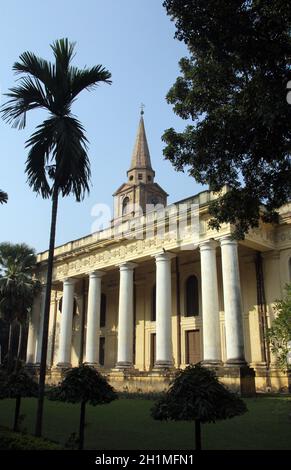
[(193, 351), (102, 351)]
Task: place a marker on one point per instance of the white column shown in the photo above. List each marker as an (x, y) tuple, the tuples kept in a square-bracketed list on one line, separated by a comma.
[(40, 325), (163, 310), (32, 339), (125, 317), (93, 318), (210, 306), (65, 343), (232, 302)]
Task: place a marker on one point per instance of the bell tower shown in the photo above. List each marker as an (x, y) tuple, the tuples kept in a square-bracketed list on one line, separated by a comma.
[(131, 199)]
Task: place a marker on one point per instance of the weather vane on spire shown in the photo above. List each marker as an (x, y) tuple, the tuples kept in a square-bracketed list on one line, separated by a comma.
[(142, 106)]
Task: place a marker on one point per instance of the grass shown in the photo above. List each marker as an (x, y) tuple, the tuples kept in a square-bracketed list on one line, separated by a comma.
[(126, 424)]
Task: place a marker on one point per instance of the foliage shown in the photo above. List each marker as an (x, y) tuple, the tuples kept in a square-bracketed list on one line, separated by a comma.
[(83, 384), (57, 156), (3, 197), (196, 394), (17, 441), (18, 384), (233, 88), (17, 286), (280, 332)]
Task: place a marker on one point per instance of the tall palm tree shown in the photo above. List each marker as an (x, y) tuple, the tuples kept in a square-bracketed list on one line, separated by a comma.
[(3, 197), (57, 162), (17, 290)]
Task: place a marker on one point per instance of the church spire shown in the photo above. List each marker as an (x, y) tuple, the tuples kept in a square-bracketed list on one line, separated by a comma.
[(141, 159)]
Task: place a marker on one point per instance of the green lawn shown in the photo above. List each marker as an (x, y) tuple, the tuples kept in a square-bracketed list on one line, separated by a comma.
[(126, 424)]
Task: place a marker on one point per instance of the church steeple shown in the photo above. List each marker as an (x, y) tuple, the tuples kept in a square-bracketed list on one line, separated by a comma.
[(141, 167), (132, 198)]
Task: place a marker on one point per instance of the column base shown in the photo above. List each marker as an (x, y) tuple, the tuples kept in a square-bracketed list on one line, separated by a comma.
[(124, 365), (64, 365), (211, 363), (235, 363), (92, 364), (163, 364)]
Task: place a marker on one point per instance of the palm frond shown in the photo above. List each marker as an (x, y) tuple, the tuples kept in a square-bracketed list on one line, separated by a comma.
[(30, 94), (40, 145), (72, 163), (3, 197), (88, 78), (38, 68)]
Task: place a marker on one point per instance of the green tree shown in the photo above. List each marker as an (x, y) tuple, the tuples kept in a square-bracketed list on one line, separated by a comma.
[(18, 289), (280, 332), (196, 395), (232, 91), (83, 385), (3, 197), (20, 384), (57, 162)]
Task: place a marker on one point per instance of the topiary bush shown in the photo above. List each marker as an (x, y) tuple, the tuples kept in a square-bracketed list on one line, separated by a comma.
[(196, 395)]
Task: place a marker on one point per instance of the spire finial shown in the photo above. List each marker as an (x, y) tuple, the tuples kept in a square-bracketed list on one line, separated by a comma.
[(142, 106)]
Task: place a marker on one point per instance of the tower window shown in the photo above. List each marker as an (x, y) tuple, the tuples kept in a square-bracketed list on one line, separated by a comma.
[(140, 176), (125, 206), (130, 178), (149, 178)]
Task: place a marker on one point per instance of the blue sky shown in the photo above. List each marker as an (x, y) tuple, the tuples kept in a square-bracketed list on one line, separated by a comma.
[(134, 40)]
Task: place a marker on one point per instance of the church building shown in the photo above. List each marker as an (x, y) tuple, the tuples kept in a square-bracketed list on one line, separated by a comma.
[(140, 299)]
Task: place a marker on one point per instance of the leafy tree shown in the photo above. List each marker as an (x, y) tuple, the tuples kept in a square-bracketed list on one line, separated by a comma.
[(233, 88), (57, 162), (18, 385), (280, 332), (17, 290), (196, 395), (83, 385), (3, 197)]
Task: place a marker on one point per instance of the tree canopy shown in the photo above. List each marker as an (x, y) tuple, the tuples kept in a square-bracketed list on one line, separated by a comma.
[(232, 92), (196, 394), (84, 384), (3, 197), (279, 335)]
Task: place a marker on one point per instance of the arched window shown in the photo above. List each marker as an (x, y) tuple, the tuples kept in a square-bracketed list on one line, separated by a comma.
[(153, 304), (103, 311), (125, 205), (191, 297)]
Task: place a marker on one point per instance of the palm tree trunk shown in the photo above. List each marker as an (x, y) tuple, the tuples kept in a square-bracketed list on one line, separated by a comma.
[(197, 434), (42, 370), (20, 336), (82, 425), (16, 414), (10, 355)]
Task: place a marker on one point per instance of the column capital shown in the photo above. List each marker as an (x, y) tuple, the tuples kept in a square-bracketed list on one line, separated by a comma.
[(208, 245), (70, 281), (96, 274), (127, 266), (228, 240), (164, 256)]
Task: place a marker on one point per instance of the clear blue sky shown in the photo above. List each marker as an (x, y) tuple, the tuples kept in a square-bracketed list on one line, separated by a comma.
[(134, 40)]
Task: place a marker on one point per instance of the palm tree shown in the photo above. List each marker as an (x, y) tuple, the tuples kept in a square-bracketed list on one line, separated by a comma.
[(3, 197), (57, 162), (17, 290)]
